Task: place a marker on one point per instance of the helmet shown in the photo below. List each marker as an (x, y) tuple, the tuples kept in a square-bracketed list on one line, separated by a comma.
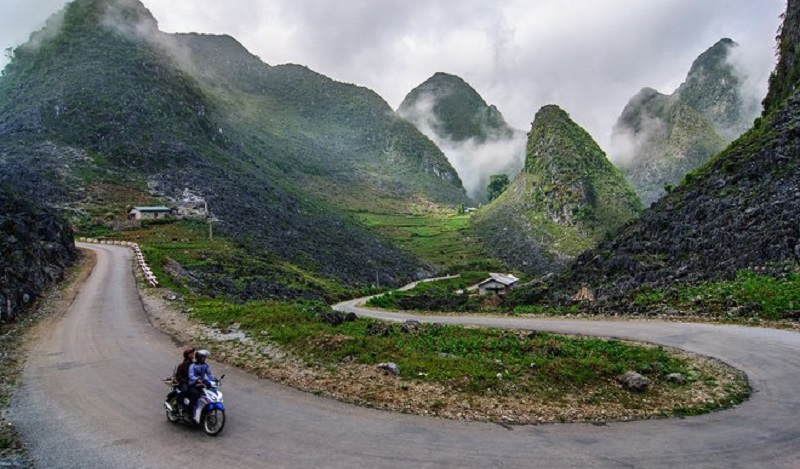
[(187, 352), (201, 354)]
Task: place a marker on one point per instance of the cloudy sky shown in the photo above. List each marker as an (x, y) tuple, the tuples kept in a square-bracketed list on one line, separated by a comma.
[(588, 56)]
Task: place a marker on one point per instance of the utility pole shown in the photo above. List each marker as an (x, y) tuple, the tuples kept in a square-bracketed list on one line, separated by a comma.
[(210, 222)]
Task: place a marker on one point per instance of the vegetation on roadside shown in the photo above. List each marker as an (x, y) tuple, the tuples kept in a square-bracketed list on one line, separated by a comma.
[(448, 295), (184, 259), (749, 296), (476, 362)]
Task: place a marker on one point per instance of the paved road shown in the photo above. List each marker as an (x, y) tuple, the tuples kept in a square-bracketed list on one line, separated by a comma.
[(91, 398)]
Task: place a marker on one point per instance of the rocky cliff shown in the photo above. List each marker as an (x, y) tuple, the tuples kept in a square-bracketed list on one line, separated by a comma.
[(659, 138), (567, 198), (35, 248)]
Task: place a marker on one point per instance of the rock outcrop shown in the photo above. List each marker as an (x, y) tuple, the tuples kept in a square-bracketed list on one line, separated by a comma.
[(738, 212), (566, 199), (472, 133), (660, 138), (35, 248)]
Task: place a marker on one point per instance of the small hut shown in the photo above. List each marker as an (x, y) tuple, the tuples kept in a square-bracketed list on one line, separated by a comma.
[(150, 213), (497, 284)]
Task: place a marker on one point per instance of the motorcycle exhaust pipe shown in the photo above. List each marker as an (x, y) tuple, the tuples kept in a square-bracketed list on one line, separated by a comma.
[(167, 406)]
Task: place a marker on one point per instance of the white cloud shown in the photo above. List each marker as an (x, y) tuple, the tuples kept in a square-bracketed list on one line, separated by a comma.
[(474, 161), (587, 56)]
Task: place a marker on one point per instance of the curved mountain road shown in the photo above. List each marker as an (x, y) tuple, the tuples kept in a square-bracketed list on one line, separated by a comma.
[(91, 397)]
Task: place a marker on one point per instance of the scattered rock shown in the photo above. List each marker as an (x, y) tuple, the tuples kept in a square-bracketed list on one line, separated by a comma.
[(381, 329), (390, 367), (411, 326), (633, 381), (332, 318), (171, 296), (676, 378)]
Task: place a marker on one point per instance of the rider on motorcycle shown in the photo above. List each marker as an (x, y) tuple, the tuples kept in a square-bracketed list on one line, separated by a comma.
[(199, 371)]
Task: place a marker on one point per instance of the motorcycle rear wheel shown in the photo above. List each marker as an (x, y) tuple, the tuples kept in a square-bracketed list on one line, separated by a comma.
[(214, 422)]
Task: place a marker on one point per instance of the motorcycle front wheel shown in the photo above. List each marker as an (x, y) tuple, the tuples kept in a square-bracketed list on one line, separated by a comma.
[(214, 421)]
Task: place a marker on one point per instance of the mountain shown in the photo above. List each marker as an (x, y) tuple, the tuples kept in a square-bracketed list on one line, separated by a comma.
[(101, 99), (454, 110), (566, 199), (737, 213), (473, 134), (659, 138)]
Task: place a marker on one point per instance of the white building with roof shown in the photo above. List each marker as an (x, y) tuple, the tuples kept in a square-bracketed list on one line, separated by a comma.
[(497, 284), (150, 213)]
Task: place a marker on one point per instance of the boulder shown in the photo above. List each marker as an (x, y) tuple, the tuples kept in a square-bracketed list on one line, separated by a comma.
[(633, 381), (676, 378), (381, 329), (390, 367), (333, 318)]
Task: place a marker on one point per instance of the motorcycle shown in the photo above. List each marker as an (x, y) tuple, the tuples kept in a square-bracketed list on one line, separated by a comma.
[(208, 412)]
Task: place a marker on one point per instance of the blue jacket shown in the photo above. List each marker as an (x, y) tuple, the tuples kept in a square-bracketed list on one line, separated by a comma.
[(198, 372)]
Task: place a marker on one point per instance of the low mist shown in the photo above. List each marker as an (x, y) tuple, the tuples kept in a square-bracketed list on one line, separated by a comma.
[(474, 160)]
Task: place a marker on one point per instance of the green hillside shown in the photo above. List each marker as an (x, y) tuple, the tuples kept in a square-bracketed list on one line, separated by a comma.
[(100, 105), (459, 113), (566, 199)]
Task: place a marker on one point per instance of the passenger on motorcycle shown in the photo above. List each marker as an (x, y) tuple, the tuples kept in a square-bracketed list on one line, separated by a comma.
[(199, 371), (181, 375)]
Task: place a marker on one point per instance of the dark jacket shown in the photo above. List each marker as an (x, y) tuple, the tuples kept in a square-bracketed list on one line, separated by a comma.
[(182, 373)]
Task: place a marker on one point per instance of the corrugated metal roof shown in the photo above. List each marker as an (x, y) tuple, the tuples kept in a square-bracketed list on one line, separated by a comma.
[(504, 279)]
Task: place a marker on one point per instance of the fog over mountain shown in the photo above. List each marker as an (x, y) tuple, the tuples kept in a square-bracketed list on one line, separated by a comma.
[(472, 133), (589, 56)]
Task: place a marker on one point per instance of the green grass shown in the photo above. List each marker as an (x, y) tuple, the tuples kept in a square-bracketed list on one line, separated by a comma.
[(466, 358), (441, 238), (186, 242), (434, 296), (749, 295), (554, 310), (777, 298)]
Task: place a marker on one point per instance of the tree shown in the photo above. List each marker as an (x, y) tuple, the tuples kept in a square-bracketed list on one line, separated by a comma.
[(497, 185)]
